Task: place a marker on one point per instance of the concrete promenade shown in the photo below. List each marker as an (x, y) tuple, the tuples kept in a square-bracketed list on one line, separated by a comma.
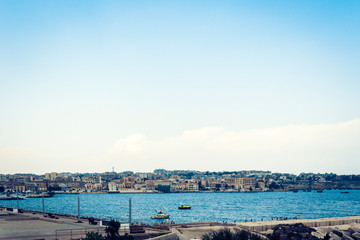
[(35, 226)]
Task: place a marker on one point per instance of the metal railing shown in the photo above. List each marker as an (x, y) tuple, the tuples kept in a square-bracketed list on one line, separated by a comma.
[(77, 233)]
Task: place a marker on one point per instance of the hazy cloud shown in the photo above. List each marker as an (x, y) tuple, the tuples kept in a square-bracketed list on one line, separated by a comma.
[(16, 160), (293, 148)]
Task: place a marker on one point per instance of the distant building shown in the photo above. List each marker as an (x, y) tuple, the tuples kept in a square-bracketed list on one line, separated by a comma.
[(164, 186), (245, 184), (113, 187), (52, 175), (193, 187)]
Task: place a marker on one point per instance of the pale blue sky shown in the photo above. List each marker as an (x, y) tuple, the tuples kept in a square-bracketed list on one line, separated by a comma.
[(77, 76)]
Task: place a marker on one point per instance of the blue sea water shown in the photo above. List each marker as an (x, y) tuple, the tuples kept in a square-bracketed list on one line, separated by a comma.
[(219, 207)]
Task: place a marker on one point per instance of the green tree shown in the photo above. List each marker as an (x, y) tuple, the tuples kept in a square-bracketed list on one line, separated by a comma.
[(112, 230)]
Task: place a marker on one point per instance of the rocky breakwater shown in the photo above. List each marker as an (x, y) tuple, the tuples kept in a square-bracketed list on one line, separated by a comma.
[(296, 231), (300, 231), (341, 232)]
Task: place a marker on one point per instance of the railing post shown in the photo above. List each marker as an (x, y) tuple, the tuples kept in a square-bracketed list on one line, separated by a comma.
[(43, 205), (79, 209), (17, 201), (129, 212)]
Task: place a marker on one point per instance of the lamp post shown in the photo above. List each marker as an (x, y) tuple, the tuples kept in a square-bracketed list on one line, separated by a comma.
[(78, 198), (17, 200), (129, 211), (43, 204)]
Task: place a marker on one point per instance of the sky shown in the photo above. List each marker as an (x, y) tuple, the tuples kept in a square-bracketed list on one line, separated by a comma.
[(203, 85)]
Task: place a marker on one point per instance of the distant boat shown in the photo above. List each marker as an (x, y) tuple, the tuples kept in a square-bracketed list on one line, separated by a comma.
[(11, 198), (160, 215), (319, 191), (113, 191), (345, 192), (184, 207), (46, 195), (295, 191)]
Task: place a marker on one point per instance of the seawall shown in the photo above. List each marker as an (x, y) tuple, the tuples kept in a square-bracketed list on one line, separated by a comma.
[(262, 226)]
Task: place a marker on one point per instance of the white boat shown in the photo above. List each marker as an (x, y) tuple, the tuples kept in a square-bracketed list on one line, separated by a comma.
[(46, 195), (160, 215)]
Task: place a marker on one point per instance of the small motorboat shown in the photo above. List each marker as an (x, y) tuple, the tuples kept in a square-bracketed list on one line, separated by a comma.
[(184, 207), (160, 215), (345, 192)]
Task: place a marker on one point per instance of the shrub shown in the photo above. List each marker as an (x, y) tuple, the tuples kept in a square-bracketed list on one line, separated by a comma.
[(93, 236)]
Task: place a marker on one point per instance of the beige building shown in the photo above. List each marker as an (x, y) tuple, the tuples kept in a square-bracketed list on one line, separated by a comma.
[(245, 184), (246, 181), (52, 175), (113, 186)]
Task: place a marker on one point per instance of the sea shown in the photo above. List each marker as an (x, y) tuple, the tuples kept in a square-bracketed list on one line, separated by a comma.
[(219, 207)]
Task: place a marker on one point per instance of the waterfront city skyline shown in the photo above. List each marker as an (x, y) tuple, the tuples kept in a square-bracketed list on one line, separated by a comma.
[(206, 85)]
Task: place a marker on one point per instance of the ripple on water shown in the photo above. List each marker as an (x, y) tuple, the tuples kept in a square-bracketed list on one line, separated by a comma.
[(205, 206)]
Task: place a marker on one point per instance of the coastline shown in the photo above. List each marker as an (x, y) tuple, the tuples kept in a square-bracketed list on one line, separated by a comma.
[(179, 192), (133, 191)]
